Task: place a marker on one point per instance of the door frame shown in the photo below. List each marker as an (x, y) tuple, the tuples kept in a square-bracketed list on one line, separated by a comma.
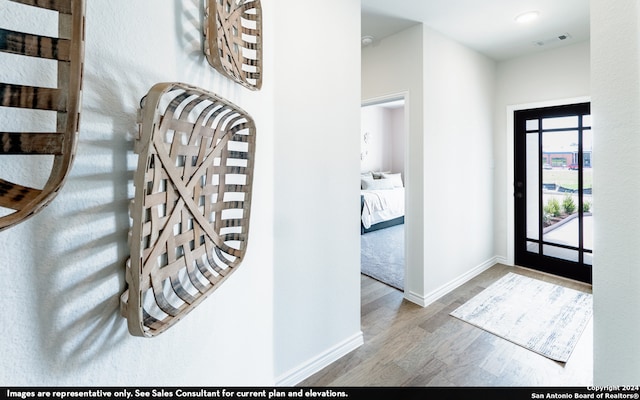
[(509, 181), (408, 246), (577, 270)]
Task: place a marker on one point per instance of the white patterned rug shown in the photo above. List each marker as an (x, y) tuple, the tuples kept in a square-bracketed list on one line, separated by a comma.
[(545, 318)]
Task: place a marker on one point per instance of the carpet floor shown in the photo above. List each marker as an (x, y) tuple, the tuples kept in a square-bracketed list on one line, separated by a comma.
[(382, 255), (542, 317)]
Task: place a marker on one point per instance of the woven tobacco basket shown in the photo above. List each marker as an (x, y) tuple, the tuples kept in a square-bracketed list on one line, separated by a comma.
[(233, 40), (190, 213), (65, 54)]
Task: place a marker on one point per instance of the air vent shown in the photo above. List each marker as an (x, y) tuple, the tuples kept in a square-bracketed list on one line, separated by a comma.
[(556, 39)]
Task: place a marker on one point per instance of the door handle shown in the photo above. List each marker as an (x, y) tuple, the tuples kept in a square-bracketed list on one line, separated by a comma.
[(519, 185)]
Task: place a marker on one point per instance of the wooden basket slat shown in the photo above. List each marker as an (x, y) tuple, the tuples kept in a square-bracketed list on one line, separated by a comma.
[(235, 188), (152, 322), (251, 17), (187, 149), (164, 304), (35, 45), (213, 279), (223, 256), (252, 62), (250, 32), (181, 292), (31, 143), (63, 6), (36, 98), (16, 196)]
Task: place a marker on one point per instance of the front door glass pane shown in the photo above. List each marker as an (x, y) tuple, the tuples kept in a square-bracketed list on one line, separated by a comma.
[(560, 188), (533, 168)]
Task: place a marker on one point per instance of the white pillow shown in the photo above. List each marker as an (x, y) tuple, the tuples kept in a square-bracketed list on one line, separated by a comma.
[(376, 184), (395, 178)]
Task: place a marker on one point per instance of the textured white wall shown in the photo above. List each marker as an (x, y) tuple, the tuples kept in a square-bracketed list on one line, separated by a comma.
[(62, 271), (615, 65), (459, 87), (317, 196)]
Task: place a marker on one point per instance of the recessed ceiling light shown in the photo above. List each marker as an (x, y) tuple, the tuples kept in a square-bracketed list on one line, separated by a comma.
[(367, 40), (527, 17)]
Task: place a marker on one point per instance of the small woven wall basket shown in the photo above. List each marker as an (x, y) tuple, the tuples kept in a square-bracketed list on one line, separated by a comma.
[(233, 40), (64, 54), (190, 213)]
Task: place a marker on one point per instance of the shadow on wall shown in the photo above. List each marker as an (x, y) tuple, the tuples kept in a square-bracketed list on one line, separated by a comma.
[(81, 238), (189, 34), (84, 244), (189, 23)]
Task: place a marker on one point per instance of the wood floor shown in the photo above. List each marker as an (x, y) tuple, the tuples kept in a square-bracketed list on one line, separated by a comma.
[(409, 345)]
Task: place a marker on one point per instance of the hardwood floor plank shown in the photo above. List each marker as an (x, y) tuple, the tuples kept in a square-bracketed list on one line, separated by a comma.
[(425, 374), (409, 345)]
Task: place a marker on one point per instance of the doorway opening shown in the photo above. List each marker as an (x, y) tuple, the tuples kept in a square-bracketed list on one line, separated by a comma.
[(553, 204), (382, 197)]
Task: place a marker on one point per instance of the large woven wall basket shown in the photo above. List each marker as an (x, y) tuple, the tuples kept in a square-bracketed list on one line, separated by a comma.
[(190, 214), (57, 105), (233, 40)]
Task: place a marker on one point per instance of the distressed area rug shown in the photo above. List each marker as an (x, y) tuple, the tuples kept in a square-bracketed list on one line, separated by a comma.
[(382, 255), (542, 317)]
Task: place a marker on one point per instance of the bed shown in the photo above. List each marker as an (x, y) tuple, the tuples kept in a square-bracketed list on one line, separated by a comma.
[(381, 201)]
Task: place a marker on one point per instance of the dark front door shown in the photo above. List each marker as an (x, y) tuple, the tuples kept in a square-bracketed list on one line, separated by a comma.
[(553, 190)]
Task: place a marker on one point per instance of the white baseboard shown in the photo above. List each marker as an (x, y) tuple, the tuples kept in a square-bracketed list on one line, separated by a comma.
[(297, 375), (451, 285)]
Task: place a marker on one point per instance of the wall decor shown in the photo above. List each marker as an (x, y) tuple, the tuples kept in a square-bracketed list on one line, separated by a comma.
[(233, 40), (190, 213), (64, 54)]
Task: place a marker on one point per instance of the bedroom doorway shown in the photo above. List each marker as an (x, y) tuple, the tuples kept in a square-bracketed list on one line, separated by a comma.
[(383, 183)]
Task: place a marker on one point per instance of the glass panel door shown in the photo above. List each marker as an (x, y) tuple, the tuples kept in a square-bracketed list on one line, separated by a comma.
[(553, 189)]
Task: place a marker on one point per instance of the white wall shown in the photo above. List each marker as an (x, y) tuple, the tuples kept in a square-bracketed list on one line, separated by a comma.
[(373, 139), (384, 148), (316, 186), (397, 139), (62, 271), (542, 79), (459, 89), (615, 106)]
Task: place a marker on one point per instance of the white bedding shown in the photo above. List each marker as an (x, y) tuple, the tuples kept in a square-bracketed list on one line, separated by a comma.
[(382, 205)]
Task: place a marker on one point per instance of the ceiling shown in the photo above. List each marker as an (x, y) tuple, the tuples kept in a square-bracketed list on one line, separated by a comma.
[(487, 26)]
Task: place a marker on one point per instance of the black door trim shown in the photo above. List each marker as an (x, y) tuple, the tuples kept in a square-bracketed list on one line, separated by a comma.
[(570, 269)]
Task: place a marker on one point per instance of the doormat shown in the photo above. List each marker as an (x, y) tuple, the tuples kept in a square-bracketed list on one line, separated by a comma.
[(542, 317)]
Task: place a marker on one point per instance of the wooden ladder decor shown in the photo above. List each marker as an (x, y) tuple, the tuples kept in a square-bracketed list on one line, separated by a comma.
[(233, 40), (190, 213), (66, 53)]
